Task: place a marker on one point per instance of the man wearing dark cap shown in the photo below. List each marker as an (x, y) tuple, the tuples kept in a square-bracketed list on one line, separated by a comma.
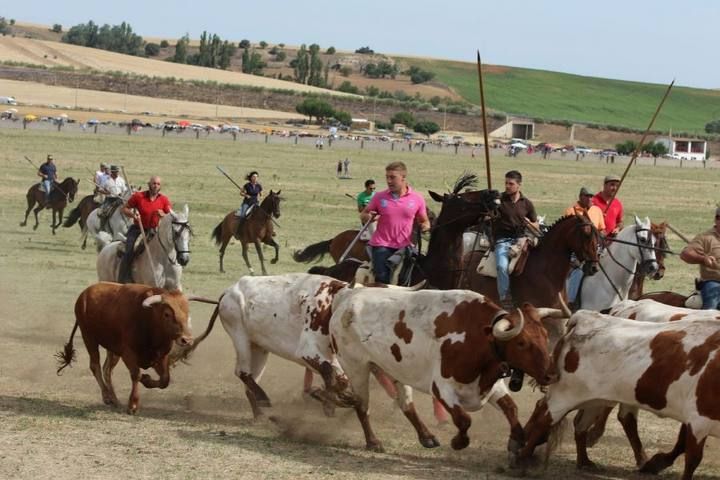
[(48, 173), (583, 205), (613, 215), (704, 250)]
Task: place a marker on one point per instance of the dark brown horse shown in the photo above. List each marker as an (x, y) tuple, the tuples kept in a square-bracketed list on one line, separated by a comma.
[(61, 194), (547, 266), (258, 227), (337, 245), (80, 213)]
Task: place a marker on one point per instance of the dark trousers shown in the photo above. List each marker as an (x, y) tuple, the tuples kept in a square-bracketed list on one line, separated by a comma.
[(710, 291), (381, 268), (126, 265)]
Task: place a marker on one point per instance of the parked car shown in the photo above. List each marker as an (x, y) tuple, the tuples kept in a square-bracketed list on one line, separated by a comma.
[(583, 150), (8, 101)]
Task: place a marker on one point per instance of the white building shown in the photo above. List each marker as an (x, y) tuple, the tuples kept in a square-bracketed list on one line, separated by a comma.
[(685, 148)]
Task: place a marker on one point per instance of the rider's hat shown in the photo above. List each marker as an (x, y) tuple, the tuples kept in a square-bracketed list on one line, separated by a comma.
[(104, 165), (612, 178), (584, 192), (49, 157), (114, 168)]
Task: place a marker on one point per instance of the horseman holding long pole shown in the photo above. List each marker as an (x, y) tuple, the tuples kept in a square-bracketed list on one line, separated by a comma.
[(48, 173)]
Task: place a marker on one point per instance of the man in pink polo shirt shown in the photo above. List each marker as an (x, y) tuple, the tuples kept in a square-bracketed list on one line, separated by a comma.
[(614, 215), (395, 210)]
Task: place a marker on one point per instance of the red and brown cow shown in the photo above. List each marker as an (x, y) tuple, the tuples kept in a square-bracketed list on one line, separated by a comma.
[(455, 344), (671, 369), (134, 322)]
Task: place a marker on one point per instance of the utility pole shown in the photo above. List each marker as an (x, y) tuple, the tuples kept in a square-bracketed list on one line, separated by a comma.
[(444, 116)]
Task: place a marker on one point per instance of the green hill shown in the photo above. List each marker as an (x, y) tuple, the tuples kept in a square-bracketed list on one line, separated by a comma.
[(562, 96)]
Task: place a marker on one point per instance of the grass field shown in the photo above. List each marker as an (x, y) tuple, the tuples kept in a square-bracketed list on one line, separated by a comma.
[(201, 426), (562, 96)]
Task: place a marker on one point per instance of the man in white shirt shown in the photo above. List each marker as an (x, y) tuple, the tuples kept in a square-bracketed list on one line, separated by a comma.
[(114, 187), (100, 177)]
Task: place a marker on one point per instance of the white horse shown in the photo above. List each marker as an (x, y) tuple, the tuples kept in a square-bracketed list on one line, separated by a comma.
[(619, 264), (169, 250), (116, 226)]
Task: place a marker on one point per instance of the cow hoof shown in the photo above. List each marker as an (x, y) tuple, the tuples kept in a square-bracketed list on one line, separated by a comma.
[(328, 409), (429, 442), (35, 227), (132, 410), (375, 447), (459, 442), (513, 445), (273, 261), (656, 464)]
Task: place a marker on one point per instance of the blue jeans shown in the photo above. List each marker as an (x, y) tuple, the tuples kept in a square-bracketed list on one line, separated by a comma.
[(710, 291), (48, 188), (381, 268), (126, 265), (502, 264), (573, 283)]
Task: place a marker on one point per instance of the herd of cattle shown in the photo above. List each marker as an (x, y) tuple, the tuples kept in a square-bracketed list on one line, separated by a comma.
[(456, 345)]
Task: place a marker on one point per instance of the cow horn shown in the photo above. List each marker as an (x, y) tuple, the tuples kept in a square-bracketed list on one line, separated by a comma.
[(351, 285), (550, 312), (504, 331), (418, 286), (195, 298), (150, 301), (563, 306)]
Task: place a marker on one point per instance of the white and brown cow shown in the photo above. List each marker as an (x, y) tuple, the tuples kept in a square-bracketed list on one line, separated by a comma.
[(455, 344), (590, 422), (671, 369)]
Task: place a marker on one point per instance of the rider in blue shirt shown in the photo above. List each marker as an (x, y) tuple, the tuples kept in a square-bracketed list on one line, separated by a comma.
[(48, 173), (252, 192)]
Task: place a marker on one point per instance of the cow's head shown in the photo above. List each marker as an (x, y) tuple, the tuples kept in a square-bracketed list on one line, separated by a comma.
[(170, 316), (523, 342)]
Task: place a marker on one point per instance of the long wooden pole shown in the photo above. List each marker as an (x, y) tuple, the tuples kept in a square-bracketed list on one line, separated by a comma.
[(484, 122), (639, 146)]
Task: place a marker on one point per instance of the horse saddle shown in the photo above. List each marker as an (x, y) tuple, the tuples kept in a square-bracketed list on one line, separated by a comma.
[(401, 262), (518, 258), (107, 209), (139, 246), (41, 187)]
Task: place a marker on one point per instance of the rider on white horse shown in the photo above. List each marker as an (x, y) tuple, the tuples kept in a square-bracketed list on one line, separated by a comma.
[(146, 208), (114, 188)]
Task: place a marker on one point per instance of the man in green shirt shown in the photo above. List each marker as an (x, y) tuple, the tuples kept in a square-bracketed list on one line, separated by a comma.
[(364, 197)]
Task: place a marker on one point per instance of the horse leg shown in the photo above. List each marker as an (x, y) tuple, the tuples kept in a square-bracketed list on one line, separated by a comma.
[(275, 245), (36, 211), (30, 203), (60, 219), (245, 256), (258, 248), (222, 251)]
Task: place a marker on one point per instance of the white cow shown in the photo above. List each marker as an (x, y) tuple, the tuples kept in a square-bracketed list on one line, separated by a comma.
[(453, 343), (671, 369)]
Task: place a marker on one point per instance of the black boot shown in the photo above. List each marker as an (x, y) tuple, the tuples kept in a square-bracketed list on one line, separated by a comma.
[(238, 229), (125, 274)]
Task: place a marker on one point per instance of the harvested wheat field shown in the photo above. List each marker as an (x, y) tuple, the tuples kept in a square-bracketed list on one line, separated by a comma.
[(76, 102), (41, 52), (201, 426)]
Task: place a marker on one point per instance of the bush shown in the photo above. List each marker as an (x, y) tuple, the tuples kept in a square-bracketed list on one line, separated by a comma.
[(280, 56), (164, 44), (263, 44), (152, 49), (57, 28), (348, 87), (314, 107), (426, 128), (244, 43), (372, 91), (330, 51), (345, 71), (281, 45), (383, 125), (274, 50), (365, 50), (343, 117), (713, 127), (626, 148), (406, 118)]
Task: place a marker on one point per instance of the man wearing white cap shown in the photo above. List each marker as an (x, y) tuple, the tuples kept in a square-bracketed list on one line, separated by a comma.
[(613, 215), (704, 250)]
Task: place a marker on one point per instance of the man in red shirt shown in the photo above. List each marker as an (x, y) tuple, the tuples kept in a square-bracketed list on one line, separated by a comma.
[(146, 208), (613, 216)]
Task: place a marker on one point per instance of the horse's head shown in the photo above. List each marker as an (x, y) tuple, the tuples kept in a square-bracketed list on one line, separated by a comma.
[(659, 231), (645, 240), (272, 203), (580, 237), (70, 187), (181, 233), (466, 209)]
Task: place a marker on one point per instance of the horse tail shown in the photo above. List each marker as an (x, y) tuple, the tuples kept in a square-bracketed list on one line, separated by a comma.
[(316, 252), (73, 217), (183, 354), (217, 233), (67, 355)]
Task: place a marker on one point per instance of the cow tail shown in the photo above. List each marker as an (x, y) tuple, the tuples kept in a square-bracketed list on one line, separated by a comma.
[(67, 355), (555, 438), (182, 355)]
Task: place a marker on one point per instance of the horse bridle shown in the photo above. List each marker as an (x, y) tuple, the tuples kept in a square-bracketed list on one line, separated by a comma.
[(643, 263), (176, 234)]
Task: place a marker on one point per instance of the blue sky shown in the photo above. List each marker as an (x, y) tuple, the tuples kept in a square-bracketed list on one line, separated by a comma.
[(630, 40)]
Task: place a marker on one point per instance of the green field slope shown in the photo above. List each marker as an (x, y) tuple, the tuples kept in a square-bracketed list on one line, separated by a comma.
[(561, 96)]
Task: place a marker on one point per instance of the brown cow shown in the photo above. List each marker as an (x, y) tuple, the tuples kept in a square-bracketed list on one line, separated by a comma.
[(134, 322)]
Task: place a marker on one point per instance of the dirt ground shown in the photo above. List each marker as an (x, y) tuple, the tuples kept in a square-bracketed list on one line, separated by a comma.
[(201, 426)]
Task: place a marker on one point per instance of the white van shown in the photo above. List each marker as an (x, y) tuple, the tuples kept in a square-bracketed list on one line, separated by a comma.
[(7, 101)]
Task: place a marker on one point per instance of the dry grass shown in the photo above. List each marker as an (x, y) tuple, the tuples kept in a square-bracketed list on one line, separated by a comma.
[(74, 101), (54, 53)]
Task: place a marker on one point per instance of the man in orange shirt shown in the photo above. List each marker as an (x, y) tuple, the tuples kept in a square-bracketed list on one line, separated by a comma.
[(583, 205)]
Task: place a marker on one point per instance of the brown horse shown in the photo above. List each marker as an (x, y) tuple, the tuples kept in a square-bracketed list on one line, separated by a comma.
[(636, 289), (61, 194), (337, 245), (257, 228), (547, 266), (80, 213)]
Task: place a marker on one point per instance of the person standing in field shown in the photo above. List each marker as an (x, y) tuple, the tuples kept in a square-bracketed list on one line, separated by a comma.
[(346, 167), (339, 169), (395, 210)]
